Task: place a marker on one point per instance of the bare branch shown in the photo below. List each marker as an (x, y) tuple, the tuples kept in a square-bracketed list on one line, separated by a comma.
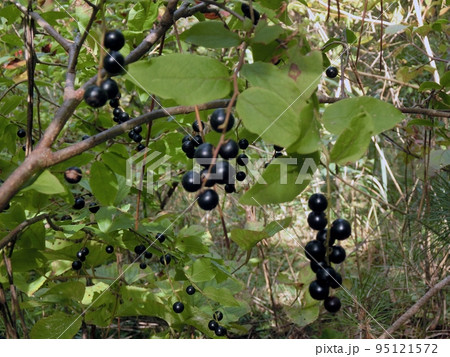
[(416, 307), (44, 24)]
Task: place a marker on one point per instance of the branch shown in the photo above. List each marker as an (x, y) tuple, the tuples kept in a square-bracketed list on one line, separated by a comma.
[(12, 235), (223, 7), (44, 24), (416, 307)]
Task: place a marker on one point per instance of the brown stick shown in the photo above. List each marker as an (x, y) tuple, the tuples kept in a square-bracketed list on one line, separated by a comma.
[(416, 307)]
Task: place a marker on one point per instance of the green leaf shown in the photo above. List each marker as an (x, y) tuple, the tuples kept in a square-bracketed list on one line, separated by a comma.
[(338, 116), (353, 141), (220, 295), (445, 80), (10, 104), (283, 180), (428, 86), (302, 316), (58, 325), (276, 226), (91, 291), (186, 78), (201, 271), (309, 139), (103, 183), (47, 184), (247, 239), (265, 33), (267, 114), (66, 291), (25, 260), (191, 245), (306, 71), (211, 34), (350, 36)]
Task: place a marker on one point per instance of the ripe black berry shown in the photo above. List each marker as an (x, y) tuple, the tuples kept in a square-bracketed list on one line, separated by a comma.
[(190, 290), (317, 220), (188, 146), (322, 237), (21, 133), (277, 154), (335, 280), (73, 174), (185, 138), (229, 150), (178, 307), (191, 181), (240, 176), (117, 111), (114, 62), (137, 129), (325, 275), (66, 217), (109, 249), (137, 138), (337, 255), (332, 304), (247, 13), (110, 87), (142, 265), (278, 148), (85, 137), (165, 259), (196, 128), (340, 229), (148, 255), (84, 251), (197, 140), (243, 144), (161, 237), (139, 249), (315, 266), (95, 97), (220, 331), (94, 207), (204, 175), (76, 265), (318, 202), (123, 117), (230, 188), (318, 290), (218, 316), (81, 256), (140, 147), (217, 120), (223, 173), (242, 160), (114, 103), (208, 200), (79, 203), (331, 72), (114, 40), (212, 325), (204, 154), (315, 251)]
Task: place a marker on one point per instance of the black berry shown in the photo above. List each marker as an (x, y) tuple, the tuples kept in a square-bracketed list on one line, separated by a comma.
[(76, 265), (332, 304), (208, 200), (240, 176), (315, 266), (196, 128), (325, 275), (204, 175), (21, 133), (139, 249), (247, 13), (322, 237), (335, 280), (138, 129), (94, 207), (178, 307), (110, 87), (212, 325), (242, 160), (337, 255), (81, 256), (218, 120), (114, 62), (137, 138), (140, 147), (229, 150), (317, 220), (117, 111), (204, 154), (243, 144), (188, 146), (79, 203), (315, 251), (148, 255), (142, 265), (340, 229), (318, 202), (161, 237), (331, 72), (222, 172), (114, 40), (220, 331), (191, 181), (165, 259), (109, 249), (318, 290), (190, 290), (123, 117), (84, 251), (114, 103), (218, 316), (278, 148), (95, 97), (197, 140), (73, 175), (66, 217), (230, 188), (85, 137)]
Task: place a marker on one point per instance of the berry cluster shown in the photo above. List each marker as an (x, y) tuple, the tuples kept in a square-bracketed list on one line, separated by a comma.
[(81, 256), (74, 175), (322, 252), (221, 172), (213, 324)]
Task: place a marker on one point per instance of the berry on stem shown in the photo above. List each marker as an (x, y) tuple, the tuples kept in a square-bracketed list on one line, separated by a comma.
[(114, 63), (317, 220), (315, 251), (76, 265), (220, 331), (217, 120), (148, 255), (331, 72), (79, 203), (191, 181), (114, 40), (332, 304), (204, 154), (81, 256), (341, 229), (242, 160), (218, 316), (196, 128), (278, 148), (110, 87), (21, 133), (337, 255), (317, 202), (243, 144), (240, 176), (165, 259), (208, 200), (109, 249), (229, 150), (315, 266), (73, 174), (142, 265), (139, 249), (94, 207), (230, 188), (223, 173), (84, 250), (178, 307), (318, 290), (95, 96), (247, 13), (322, 237), (190, 290), (161, 237), (212, 325)]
